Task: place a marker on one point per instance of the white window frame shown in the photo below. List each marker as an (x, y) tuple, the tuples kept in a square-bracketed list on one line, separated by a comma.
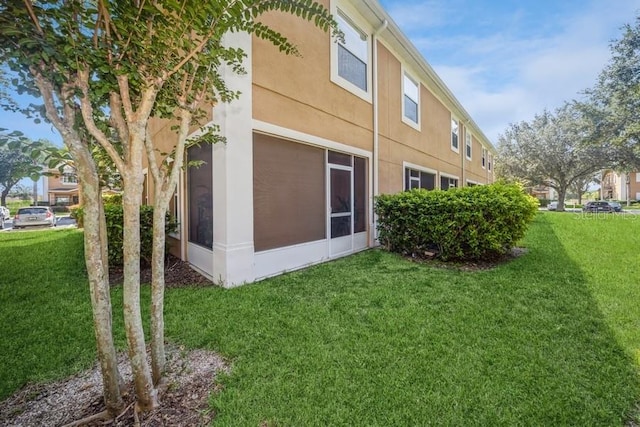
[(349, 15), (484, 158), (177, 206), (468, 144), (407, 165), (64, 178), (490, 161), (637, 176), (408, 121), (457, 133), (450, 177)]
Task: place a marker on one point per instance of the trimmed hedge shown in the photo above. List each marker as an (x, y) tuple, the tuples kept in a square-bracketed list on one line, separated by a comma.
[(471, 223)]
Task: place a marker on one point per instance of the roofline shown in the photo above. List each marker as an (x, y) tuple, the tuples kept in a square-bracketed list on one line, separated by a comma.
[(374, 7)]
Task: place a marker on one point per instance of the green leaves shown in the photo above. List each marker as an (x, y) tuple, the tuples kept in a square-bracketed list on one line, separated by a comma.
[(463, 224)]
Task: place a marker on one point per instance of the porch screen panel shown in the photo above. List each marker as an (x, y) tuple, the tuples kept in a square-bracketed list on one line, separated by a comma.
[(359, 194), (288, 193)]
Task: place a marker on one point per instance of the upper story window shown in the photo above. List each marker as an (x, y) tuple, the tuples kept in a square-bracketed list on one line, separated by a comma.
[(484, 158), (455, 130), (69, 178), (351, 56), (490, 159), (468, 140), (637, 176), (411, 100)]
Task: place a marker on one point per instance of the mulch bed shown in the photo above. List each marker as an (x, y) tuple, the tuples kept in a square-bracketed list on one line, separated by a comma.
[(177, 274)]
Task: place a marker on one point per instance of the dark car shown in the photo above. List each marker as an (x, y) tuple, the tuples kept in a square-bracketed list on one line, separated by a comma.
[(616, 206), (599, 206)]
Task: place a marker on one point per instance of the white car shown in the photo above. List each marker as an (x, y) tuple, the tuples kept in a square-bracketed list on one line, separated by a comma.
[(34, 215), (553, 206)]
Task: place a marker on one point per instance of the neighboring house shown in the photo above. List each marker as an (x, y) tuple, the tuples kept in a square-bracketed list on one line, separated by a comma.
[(61, 188), (620, 185), (310, 143), (543, 192)]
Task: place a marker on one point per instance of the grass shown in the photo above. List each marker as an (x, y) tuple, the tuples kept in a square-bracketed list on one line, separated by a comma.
[(551, 338)]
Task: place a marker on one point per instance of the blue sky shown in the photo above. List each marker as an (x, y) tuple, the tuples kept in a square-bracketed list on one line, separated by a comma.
[(505, 60)]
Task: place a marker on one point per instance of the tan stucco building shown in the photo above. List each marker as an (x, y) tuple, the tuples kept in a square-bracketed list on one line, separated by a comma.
[(313, 139)]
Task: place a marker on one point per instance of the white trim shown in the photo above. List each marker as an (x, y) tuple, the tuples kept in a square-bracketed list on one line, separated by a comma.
[(294, 135), (469, 181), (483, 159), (468, 135), (418, 167), (454, 118), (448, 175), (406, 74), (637, 176), (361, 25)]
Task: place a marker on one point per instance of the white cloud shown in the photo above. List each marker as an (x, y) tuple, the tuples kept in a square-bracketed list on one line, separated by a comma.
[(510, 73)]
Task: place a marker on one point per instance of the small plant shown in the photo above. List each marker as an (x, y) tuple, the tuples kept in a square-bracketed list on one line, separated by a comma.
[(472, 223)]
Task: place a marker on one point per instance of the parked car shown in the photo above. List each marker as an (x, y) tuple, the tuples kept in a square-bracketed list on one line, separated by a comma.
[(553, 206), (617, 207), (34, 215), (6, 212), (599, 206)]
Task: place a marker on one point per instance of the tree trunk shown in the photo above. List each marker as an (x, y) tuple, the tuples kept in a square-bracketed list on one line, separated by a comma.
[(3, 197), (158, 358), (562, 192), (95, 250), (133, 185)]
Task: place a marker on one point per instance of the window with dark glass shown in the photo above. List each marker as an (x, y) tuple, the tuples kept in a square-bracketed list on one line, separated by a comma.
[(447, 183), (484, 158), (419, 179), (200, 183), (468, 144), (352, 53)]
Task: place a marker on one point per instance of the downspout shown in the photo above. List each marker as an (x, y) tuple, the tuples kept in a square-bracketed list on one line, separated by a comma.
[(376, 124), (464, 155)]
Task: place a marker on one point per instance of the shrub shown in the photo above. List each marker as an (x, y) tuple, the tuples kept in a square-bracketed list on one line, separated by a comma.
[(471, 223), (77, 212), (115, 224)]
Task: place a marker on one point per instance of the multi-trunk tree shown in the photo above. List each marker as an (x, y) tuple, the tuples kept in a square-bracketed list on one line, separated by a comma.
[(105, 69), (555, 149)]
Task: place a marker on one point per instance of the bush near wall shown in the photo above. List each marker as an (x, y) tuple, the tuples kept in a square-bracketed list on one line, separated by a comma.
[(471, 223), (114, 216), (115, 224)]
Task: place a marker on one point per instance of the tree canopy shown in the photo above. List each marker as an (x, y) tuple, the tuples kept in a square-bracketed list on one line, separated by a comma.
[(555, 149)]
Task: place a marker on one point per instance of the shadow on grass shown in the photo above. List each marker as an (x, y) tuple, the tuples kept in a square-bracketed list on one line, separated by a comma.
[(375, 340)]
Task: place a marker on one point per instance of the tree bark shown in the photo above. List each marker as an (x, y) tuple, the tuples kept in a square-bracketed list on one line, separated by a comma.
[(158, 357), (95, 248), (133, 185)]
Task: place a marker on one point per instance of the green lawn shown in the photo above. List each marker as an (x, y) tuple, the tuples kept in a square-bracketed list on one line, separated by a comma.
[(552, 338)]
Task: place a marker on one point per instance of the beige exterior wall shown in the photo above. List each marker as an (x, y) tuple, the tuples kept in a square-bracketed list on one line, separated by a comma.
[(297, 92)]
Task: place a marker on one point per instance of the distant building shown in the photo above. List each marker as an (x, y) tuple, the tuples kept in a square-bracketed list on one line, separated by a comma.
[(620, 185), (61, 188)]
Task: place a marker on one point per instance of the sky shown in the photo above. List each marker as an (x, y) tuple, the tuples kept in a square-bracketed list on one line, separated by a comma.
[(505, 60)]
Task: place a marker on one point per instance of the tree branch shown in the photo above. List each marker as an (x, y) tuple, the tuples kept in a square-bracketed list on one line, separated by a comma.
[(87, 114)]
